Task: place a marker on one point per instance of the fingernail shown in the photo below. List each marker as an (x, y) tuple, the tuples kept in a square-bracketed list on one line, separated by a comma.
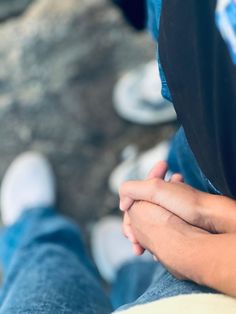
[(121, 207)]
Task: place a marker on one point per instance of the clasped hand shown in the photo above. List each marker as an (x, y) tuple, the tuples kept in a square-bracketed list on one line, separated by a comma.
[(170, 219)]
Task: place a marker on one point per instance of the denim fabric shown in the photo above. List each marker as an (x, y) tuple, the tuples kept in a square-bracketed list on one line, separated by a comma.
[(164, 285), (154, 14), (46, 270), (136, 276), (181, 159), (226, 22)]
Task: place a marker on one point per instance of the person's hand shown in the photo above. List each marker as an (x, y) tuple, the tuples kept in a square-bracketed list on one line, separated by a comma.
[(170, 239), (159, 171), (214, 213), (187, 251), (176, 197)]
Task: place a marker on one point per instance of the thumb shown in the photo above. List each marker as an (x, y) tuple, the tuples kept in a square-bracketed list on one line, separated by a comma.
[(159, 170)]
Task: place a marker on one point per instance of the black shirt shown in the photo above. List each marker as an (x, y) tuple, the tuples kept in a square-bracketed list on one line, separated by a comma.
[(202, 81)]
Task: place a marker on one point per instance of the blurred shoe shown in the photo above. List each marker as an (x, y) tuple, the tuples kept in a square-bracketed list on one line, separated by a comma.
[(28, 183), (137, 97), (110, 249), (135, 166)]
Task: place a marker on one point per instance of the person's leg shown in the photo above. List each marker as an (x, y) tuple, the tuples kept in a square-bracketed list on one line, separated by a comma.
[(181, 159), (163, 285), (45, 267), (128, 276), (134, 280)]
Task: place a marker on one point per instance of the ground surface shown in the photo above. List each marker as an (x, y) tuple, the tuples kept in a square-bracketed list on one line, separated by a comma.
[(59, 63)]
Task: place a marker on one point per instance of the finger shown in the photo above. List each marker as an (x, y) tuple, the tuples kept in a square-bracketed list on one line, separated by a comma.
[(156, 191), (127, 229), (138, 250), (126, 226), (177, 177), (159, 170), (126, 203), (140, 190)]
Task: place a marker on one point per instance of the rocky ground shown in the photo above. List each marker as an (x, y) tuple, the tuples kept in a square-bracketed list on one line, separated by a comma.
[(59, 63)]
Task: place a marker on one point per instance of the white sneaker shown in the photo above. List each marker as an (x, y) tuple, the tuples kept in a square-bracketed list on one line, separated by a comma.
[(28, 183), (137, 97), (137, 167), (110, 249)]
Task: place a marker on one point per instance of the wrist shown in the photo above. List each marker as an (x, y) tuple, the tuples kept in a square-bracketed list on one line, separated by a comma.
[(218, 261), (183, 253), (218, 214), (195, 261)]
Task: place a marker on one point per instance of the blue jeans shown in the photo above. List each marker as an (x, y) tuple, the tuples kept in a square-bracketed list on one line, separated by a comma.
[(46, 270), (154, 8), (181, 159)]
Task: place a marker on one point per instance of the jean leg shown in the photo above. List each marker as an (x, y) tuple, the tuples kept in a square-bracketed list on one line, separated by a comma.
[(132, 281), (164, 285), (153, 17), (46, 269), (181, 159)]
